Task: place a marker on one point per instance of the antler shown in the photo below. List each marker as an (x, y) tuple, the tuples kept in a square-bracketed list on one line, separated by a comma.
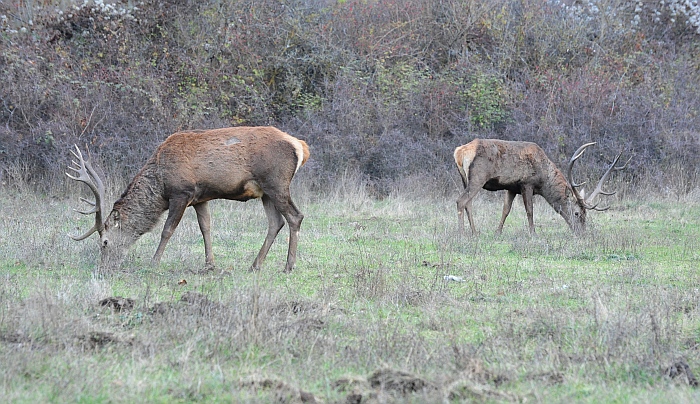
[(577, 154), (89, 176), (599, 188), (588, 202)]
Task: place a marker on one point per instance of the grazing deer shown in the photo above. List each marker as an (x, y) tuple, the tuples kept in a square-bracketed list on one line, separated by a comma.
[(191, 168), (523, 168)]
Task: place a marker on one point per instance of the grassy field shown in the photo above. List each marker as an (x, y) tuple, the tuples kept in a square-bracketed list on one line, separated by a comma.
[(366, 316)]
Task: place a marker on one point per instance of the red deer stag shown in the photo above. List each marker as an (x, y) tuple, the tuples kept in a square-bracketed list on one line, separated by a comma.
[(191, 168), (523, 168)]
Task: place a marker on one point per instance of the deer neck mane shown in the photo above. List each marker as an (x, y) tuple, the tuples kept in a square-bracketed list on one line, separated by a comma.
[(142, 203), (557, 191)]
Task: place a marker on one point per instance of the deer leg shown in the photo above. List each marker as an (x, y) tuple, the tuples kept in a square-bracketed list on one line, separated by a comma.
[(464, 202), (176, 208), (527, 193), (275, 222), (204, 220), (294, 218), (507, 204)]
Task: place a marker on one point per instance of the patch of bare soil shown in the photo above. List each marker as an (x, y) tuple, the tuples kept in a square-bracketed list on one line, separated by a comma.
[(282, 391), (386, 385), (13, 338), (162, 308), (117, 303), (196, 299), (549, 378), (293, 308), (189, 300), (99, 339), (473, 368), (470, 391), (400, 382), (358, 389), (475, 383), (680, 371)]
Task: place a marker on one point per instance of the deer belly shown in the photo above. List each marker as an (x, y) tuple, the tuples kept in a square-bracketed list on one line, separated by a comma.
[(496, 184), (250, 190), (240, 191)]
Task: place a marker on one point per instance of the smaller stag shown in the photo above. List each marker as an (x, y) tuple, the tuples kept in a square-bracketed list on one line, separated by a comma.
[(189, 169), (523, 168)]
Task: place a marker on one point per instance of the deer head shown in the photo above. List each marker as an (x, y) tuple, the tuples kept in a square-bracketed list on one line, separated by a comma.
[(111, 243)]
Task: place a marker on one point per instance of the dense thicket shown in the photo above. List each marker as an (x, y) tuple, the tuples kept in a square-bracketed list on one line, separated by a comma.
[(386, 87)]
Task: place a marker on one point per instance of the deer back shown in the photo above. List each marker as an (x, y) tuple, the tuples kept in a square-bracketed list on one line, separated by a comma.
[(222, 163), (503, 164)]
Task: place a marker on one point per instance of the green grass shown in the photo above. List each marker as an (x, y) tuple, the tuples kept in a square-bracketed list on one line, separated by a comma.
[(553, 317)]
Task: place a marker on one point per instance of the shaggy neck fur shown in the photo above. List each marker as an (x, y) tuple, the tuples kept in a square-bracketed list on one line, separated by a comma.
[(558, 194), (142, 204)]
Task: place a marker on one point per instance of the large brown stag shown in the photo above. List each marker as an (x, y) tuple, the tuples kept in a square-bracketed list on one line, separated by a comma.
[(523, 168), (189, 169)]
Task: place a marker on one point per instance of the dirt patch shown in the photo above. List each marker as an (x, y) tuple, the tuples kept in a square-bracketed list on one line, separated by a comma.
[(282, 391), (473, 368), (13, 338), (189, 300), (293, 308), (98, 339), (399, 382), (163, 308), (549, 378), (470, 391), (680, 371), (358, 389), (390, 385), (194, 298), (117, 303)]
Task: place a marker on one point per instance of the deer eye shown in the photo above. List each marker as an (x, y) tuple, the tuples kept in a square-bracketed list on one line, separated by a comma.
[(577, 214)]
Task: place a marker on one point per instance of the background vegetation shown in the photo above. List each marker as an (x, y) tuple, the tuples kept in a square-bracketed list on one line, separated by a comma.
[(387, 88)]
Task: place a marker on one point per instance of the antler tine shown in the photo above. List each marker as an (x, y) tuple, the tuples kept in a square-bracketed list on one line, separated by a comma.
[(599, 188), (94, 175), (86, 212), (577, 154), (88, 175), (89, 202), (86, 235), (94, 209)]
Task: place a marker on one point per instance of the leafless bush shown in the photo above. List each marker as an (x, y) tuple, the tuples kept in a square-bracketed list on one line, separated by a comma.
[(387, 87)]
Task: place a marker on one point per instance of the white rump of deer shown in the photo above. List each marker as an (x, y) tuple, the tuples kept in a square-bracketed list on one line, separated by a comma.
[(523, 168), (190, 168)]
